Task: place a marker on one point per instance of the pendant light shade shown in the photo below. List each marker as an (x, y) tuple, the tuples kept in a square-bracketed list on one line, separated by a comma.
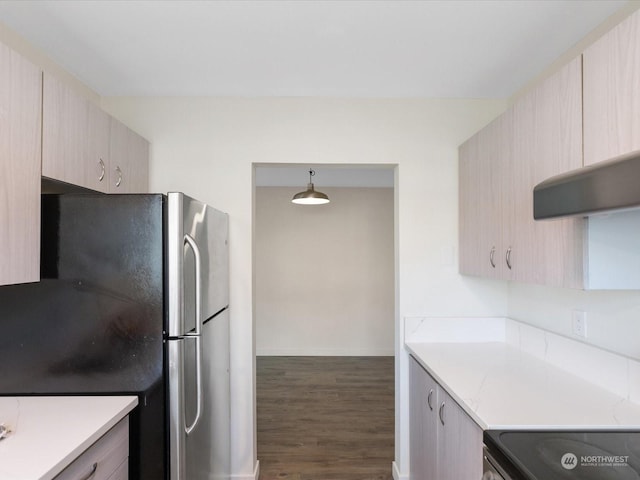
[(310, 196)]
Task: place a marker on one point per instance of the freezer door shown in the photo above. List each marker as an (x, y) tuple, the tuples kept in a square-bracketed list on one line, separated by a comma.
[(177, 449), (207, 446), (197, 246), (200, 449)]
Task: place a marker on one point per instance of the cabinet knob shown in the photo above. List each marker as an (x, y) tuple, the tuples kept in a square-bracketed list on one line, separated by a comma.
[(429, 399), (102, 170), (441, 413), (491, 255), (507, 257), (119, 172)]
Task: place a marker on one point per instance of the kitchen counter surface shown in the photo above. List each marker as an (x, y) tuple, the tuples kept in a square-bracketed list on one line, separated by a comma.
[(488, 366), (502, 387), (48, 433)]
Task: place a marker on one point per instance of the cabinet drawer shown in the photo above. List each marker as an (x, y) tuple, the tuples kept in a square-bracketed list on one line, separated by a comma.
[(122, 473), (104, 459)]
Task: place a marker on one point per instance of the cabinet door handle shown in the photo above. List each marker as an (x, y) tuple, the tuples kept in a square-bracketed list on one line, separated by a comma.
[(507, 258), (441, 413), (119, 172), (91, 473), (491, 255), (429, 399), (102, 170)]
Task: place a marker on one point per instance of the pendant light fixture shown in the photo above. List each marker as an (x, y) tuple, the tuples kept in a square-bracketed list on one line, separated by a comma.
[(310, 196)]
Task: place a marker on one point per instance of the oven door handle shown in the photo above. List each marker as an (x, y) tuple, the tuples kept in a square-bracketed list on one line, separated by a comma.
[(491, 468)]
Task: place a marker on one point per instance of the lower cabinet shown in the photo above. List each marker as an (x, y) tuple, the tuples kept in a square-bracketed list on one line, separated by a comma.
[(107, 459), (446, 444)]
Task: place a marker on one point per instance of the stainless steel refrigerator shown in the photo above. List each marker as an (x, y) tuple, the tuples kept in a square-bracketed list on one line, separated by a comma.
[(198, 340), (133, 300)]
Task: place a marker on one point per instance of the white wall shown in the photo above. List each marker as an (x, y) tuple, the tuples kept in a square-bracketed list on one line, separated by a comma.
[(324, 274), (206, 147), (613, 317)]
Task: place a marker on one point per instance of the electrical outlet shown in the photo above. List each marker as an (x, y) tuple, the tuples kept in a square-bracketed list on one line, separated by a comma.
[(579, 323)]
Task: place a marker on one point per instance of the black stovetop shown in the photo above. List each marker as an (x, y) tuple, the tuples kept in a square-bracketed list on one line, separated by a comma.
[(567, 455)]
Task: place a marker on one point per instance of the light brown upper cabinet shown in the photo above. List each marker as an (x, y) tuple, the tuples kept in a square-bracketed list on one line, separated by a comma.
[(547, 141), (84, 146), (129, 165), (20, 144), (97, 149), (612, 93), (483, 173), (539, 136), (75, 138)]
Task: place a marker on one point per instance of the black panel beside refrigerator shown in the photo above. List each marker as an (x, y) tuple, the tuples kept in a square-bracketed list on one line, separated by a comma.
[(97, 322)]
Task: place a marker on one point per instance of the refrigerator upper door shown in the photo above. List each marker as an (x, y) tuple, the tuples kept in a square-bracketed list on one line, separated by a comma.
[(198, 262)]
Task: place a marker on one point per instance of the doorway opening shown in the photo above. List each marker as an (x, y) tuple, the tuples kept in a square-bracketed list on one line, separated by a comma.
[(324, 309)]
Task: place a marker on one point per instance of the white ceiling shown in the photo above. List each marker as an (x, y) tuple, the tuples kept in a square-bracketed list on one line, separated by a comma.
[(385, 48)]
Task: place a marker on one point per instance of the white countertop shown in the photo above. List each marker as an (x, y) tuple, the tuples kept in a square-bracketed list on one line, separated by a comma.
[(48, 433), (502, 387)]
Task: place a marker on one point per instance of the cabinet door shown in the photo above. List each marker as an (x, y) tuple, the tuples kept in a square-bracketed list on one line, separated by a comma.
[(611, 94), (129, 160), (505, 184), (460, 442), (423, 430), (547, 136), (416, 411), (431, 436), (556, 245), (98, 149), (75, 138), (480, 214), (20, 150)]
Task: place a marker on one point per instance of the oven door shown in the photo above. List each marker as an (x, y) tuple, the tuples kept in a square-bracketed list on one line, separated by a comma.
[(491, 468)]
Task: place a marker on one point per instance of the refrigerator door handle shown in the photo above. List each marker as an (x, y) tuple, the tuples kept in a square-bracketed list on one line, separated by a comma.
[(188, 240), (189, 428)]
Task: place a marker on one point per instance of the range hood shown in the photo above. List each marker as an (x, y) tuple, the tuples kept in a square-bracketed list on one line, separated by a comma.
[(603, 187)]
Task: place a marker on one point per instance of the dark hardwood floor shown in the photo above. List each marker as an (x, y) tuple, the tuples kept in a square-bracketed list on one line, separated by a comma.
[(325, 418)]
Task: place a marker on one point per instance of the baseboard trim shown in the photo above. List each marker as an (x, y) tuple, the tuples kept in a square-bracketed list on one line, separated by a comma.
[(254, 476), (396, 473), (323, 352)]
